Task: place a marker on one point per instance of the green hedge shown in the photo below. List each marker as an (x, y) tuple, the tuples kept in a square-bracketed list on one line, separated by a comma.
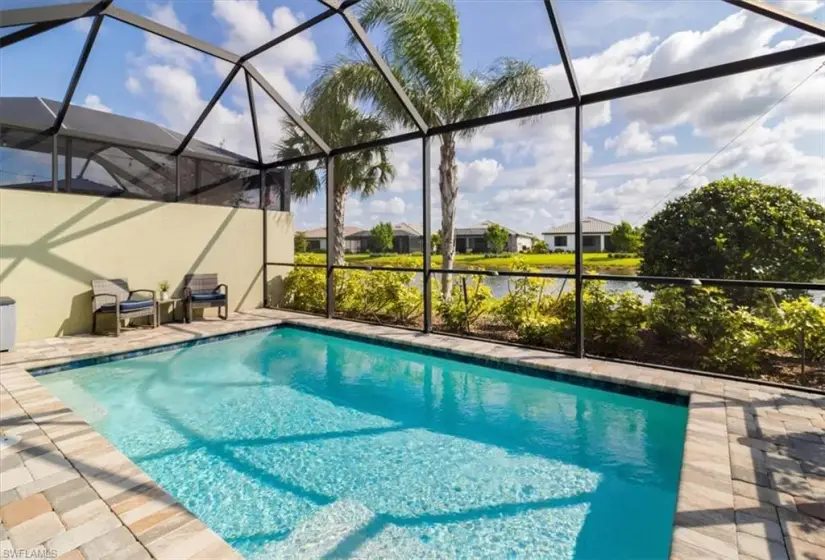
[(700, 326)]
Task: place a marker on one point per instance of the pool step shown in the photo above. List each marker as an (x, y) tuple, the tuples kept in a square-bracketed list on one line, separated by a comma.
[(77, 398), (321, 534)]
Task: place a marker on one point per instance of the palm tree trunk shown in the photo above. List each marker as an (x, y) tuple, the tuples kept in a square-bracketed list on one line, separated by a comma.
[(448, 185), (338, 230)]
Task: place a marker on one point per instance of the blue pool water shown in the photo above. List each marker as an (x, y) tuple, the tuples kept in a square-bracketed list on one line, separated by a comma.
[(290, 443)]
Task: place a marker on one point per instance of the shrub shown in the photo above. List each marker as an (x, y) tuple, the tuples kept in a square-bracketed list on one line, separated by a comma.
[(459, 314), (626, 238), (392, 295), (350, 291), (551, 332), (742, 345), (539, 247), (382, 294), (737, 228), (734, 339), (526, 297), (697, 313), (803, 316), (612, 321), (305, 289)]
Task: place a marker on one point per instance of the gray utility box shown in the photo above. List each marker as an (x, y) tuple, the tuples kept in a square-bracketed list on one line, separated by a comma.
[(8, 323)]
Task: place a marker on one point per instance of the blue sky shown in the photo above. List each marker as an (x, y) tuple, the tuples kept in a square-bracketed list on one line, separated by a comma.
[(639, 151)]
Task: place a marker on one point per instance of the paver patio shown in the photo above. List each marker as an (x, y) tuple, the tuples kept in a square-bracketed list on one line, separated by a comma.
[(752, 480)]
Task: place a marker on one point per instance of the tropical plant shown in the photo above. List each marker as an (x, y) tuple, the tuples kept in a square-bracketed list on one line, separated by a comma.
[(466, 304), (804, 327), (301, 243), (626, 238), (612, 321), (163, 285), (363, 172), (539, 247), (381, 237), (744, 342), (423, 49), (737, 228), (496, 238), (728, 338), (526, 297), (305, 287)]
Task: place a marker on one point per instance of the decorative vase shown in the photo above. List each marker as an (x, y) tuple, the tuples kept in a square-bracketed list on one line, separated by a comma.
[(164, 296)]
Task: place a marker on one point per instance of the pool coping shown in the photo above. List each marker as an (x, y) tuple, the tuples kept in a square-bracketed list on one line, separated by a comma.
[(751, 483)]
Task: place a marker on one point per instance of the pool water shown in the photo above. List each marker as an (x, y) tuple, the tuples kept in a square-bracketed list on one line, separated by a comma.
[(294, 444)]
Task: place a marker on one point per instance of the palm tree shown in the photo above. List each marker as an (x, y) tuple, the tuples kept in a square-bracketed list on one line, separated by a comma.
[(423, 49), (363, 172)]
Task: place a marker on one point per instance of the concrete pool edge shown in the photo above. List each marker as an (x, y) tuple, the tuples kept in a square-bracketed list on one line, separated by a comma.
[(732, 464)]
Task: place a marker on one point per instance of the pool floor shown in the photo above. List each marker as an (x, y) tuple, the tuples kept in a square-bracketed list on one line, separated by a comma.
[(290, 443)]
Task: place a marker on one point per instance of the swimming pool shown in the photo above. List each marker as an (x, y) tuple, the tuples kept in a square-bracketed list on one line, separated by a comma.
[(290, 443)]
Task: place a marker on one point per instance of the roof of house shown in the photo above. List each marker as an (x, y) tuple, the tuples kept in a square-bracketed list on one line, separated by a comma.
[(407, 228), (589, 225), (321, 233), (481, 229), (39, 112), (402, 228)]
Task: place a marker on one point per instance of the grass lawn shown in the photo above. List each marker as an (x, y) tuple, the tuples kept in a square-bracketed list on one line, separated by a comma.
[(595, 261)]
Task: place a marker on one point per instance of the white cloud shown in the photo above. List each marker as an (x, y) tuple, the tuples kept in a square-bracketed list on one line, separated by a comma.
[(352, 209), (133, 85), (93, 102), (169, 72), (164, 48), (722, 108), (479, 142), (247, 27), (394, 206), (634, 139), (478, 174), (180, 100)]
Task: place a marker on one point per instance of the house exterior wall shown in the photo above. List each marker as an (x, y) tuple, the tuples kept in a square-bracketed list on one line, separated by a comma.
[(316, 244), (470, 244), (550, 239), (354, 245), (416, 244), (519, 242), (601, 246), (52, 245)]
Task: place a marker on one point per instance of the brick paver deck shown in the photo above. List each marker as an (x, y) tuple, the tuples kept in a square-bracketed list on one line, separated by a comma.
[(752, 482)]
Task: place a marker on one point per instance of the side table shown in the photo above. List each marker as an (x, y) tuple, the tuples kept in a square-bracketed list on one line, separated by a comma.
[(174, 304)]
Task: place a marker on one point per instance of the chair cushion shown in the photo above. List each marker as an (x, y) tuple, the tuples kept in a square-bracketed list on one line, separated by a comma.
[(128, 305), (209, 296)]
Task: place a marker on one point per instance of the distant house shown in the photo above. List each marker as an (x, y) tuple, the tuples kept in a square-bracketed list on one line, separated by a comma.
[(472, 239), (407, 238), (595, 236), (317, 239)]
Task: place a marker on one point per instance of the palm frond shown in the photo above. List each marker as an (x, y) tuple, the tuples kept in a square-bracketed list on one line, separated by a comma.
[(508, 84), (422, 41)]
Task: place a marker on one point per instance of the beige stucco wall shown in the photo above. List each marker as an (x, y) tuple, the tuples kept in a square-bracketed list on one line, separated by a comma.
[(52, 245)]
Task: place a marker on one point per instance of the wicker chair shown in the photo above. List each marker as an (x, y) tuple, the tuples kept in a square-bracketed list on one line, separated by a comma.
[(203, 291), (114, 296)]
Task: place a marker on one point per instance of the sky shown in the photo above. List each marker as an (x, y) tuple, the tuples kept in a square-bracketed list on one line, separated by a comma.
[(639, 152)]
